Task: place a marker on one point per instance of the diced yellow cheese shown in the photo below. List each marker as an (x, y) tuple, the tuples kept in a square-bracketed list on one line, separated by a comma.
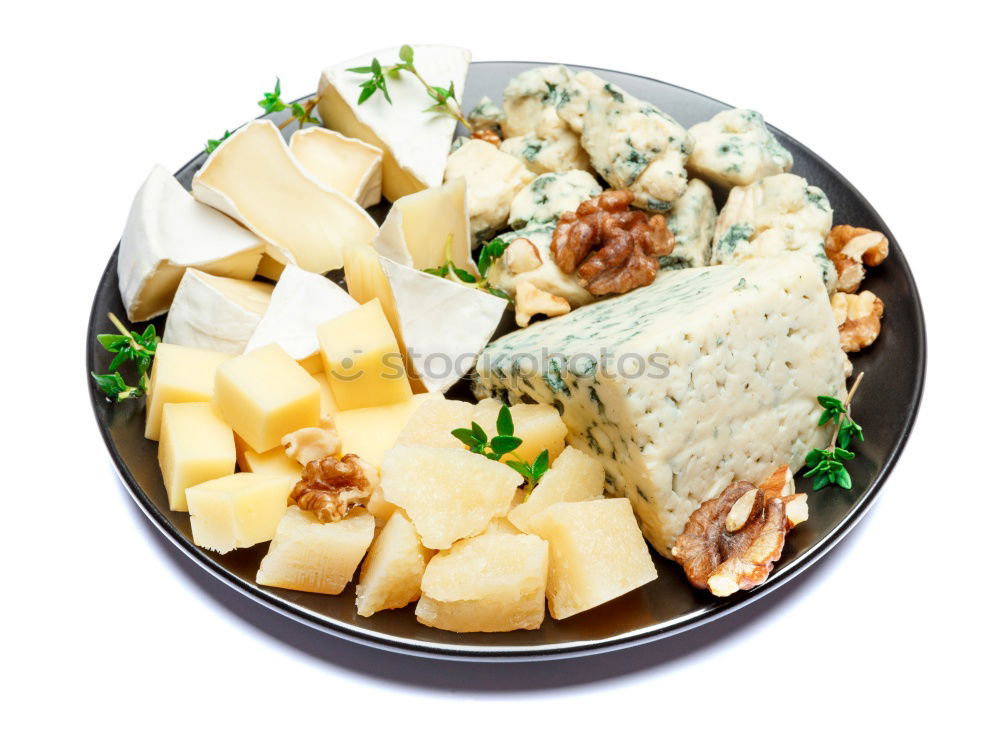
[(179, 374), (314, 557), (272, 462), (348, 165), (269, 268), (369, 432), (238, 510), (264, 395), (195, 446), (253, 178), (391, 573), (574, 476), (362, 359), (327, 404)]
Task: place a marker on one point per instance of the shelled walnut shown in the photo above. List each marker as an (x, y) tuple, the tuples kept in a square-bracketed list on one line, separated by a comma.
[(529, 300), (851, 249), (859, 319), (613, 249), (311, 443), (330, 488)]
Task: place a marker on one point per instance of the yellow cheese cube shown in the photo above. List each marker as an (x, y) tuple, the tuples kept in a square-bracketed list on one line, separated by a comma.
[(327, 405), (362, 359), (264, 395), (195, 446), (369, 432), (238, 510), (314, 557), (272, 462), (179, 374)]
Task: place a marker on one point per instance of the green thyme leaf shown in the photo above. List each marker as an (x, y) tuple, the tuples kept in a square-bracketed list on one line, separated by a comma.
[(502, 445), (505, 422), (406, 54), (464, 275)]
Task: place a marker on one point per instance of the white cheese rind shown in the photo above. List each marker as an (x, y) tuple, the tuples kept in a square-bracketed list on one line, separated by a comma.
[(493, 179), (352, 167), (735, 148), (692, 221), (415, 142), (253, 178), (706, 376), (215, 313), (166, 232)]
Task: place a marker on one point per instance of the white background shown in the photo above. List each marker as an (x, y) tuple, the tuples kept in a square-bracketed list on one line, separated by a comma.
[(106, 626)]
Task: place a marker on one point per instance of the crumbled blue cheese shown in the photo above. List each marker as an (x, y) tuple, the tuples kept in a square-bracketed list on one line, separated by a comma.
[(506, 273), (492, 178), (736, 148), (549, 195), (527, 96), (705, 376), (486, 115), (552, 146), (771, 216), (692, 221), (632, 144)]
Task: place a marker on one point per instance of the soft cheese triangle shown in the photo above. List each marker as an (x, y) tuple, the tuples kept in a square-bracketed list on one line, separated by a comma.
[(415, 142), (352, 167), (705, 376), (167, 231), (215, 313), (253, 177), (300, 303)]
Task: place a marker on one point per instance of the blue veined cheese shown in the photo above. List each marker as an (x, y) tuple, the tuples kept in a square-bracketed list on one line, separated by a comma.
[(538, 268), (528, 95), (705, 376), (493, 178), (551, 146), (772, 216), (486, 115), (549, 195), (632, 144), (735, 148), (692, 221)]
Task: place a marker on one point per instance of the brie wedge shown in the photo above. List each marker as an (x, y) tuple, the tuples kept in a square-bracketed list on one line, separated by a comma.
[(300, 303), (167, 231), (253, 177), (215, 313), (415, 142), (421, 228), (352, 167)]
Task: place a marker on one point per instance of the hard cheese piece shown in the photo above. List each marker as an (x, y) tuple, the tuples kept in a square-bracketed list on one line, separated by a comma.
[(195, 446), (391, 573), (253, 178), (327, 406), (448, 493), (362, 360), (238, 510), (369, 432), (596, 553), (705, 376), (179, 374), (415, 143), (264, 395), (167, 231), (308, 555), (432, 423), (495, 582), (574, 476), (214, 312), (538, 425), (272, 462), (350, 166), (300, 303), (424, 229)]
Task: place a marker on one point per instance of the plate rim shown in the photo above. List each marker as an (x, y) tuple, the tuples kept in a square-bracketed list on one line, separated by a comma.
[(544, 651)]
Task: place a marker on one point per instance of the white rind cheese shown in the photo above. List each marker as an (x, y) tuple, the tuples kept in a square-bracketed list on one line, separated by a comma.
[(692, 221), (415, 142), (350, 166), (216, 313), (735, 148), (166, 232), (493, 179), (772, 216), (253, 178), (705, 376)]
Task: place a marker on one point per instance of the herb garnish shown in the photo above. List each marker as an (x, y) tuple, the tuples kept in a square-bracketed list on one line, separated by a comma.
[(127, 345), (272, 102), (490, 252), (444, 100), (827, 466), (504, 443)]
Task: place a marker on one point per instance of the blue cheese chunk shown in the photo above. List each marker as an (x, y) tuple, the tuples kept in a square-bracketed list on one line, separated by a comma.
[(538, 269), (772, 216), (493, 179), (692, 221), (552, 146), (486, 115), (705, 376), (735, 148), (549, 195), (528, 95)]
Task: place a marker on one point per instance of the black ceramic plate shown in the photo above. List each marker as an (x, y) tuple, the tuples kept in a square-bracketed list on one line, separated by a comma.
[(891, 395)]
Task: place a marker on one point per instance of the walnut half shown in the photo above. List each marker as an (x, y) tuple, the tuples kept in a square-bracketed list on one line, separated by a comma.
[(859, 319), (330, 488), (851, 249), (613, 249)]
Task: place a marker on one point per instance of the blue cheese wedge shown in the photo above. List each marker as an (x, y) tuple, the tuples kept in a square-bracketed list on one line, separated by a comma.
[(493, 179), (735, 148), (769, 217), (692, 221), (549, 195), (705, 376), (632, 144)]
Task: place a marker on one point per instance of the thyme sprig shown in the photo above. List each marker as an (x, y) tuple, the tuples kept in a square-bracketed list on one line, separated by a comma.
[(503, 443), (489, 253), (128, 346), (827, 465), (272, 102)]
